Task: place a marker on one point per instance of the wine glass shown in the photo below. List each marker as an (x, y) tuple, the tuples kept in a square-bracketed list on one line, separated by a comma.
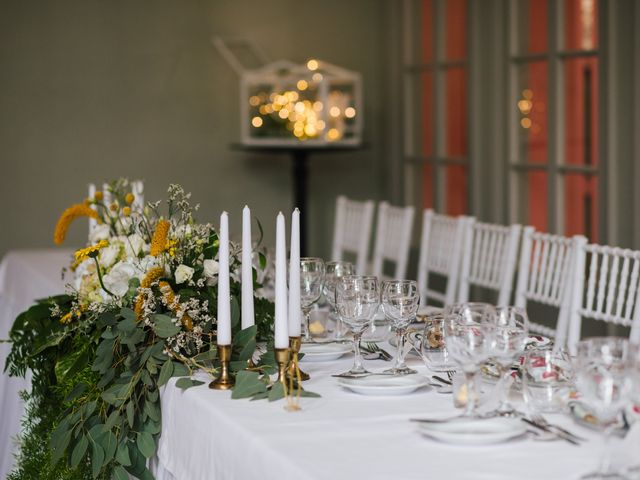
[(400, 300), (333, 271), (471, 311), (468, 340), (432, 347), (509, 338), (603, 380), (357, 301), (311, 280)]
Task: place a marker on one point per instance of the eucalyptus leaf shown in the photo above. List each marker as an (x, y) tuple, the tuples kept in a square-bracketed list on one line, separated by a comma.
[(97, 459), (186, 382), (78, 451), (146, 444), (164, 326), (120, 473), (122, 455), (247, 385), (276, 392), (166, 372)]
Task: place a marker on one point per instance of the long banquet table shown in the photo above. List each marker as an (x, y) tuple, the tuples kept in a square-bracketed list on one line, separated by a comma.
[(341, 435)]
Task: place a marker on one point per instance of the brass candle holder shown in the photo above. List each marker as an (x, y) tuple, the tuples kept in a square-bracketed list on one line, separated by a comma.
[(224, 380), (282, 359), (294, 345)]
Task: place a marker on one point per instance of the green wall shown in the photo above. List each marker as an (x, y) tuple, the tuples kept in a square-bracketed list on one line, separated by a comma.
[(92, 90)]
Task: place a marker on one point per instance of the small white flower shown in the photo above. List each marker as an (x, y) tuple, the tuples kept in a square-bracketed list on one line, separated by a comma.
[(117, 280), (133, 245), (108, 255), (211, 268), (99, 232), (183, 274)]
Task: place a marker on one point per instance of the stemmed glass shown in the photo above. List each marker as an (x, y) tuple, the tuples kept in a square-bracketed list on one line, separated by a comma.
[(468, 339), (357, 301), (311, 280), (603, 380), (400, 300), (334, 271), (507, 344)]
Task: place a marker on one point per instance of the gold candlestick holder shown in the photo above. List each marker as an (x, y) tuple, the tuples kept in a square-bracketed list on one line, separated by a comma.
[(224, 380), (294, 368), (282, 359)]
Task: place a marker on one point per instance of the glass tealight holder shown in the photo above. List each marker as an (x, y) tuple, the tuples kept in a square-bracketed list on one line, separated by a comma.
[(432, 344), (547, 380)]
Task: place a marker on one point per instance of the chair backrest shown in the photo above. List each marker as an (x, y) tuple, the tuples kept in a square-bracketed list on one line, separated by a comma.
[(393, 238), (489, 259), (440, 252), (607, 289), (545, 276), (352, 230)]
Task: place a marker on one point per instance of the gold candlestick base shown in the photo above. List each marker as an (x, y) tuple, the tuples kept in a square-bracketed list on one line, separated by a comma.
[(282, 358), (224, 381), (294, 344)]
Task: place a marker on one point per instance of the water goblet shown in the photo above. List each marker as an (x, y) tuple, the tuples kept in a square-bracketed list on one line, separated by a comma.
[(357, 301), (603, 380), (333, 271), (400, 300), (468, 343), (509, 337), (547, 380), (311, 280)]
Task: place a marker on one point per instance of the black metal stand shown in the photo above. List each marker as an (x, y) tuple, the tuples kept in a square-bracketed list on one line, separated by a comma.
[(299, 175)]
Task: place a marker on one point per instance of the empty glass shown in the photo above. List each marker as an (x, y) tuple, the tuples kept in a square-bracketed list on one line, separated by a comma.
[(334, 271), (547, 379), (311, 280), (357, 301), (603, 380), (432, 345), (509, 337), (468, 343), (472, 311), (400, 300)]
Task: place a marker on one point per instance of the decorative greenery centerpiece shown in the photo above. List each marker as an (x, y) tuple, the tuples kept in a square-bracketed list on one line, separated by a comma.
[(140, 310)]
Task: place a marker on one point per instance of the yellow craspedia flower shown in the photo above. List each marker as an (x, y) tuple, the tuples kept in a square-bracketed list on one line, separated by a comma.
[(170, 299), (113, 207), (129, 198), (66, 318), (126, 211), (98, 196), (70, 214), (159, 240), (92, 251)]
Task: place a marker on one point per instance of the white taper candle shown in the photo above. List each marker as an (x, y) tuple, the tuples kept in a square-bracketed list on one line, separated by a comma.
[(294, 276), (281, 326), (247, 270), (224, 298)]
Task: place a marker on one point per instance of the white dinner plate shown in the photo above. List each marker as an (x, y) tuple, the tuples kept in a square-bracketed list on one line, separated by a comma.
[(384, 384), (470, 431), (323, 352)]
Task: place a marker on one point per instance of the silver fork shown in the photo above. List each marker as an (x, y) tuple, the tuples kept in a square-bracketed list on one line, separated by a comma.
[(539, 419), (375, 348), (450, 374)]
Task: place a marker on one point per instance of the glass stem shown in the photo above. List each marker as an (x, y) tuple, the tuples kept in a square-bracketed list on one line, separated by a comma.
[(605, 459), (357, 359), (400, 338), (472, 394), (307, 321), (504, 404)]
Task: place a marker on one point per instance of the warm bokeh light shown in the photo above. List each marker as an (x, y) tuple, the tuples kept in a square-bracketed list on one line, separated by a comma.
[(525, 122), (312, 64), (302, 85), (334, 111), (349, 112), (316, 77), (256, 122), (254, 101), (333, 134)]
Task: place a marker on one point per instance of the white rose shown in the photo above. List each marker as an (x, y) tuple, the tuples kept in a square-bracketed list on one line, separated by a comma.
[(211, 268), (108, 255), (99, 232), (117, 280), (133, 245), (183, 273)]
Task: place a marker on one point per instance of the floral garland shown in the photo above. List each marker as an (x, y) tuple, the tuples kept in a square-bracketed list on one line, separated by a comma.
[(140, 310)]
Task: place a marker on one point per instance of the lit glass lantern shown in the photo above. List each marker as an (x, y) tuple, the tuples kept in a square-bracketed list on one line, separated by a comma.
[(284, 103)]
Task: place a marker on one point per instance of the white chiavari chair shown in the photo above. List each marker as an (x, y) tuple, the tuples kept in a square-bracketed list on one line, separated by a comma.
[(393, 239), (545, 276), (607, 289), (352, 230), (440, 253), (489, 259)]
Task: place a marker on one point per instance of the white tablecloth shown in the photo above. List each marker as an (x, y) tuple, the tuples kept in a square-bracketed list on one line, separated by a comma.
[(25, 276), (342, 435)]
